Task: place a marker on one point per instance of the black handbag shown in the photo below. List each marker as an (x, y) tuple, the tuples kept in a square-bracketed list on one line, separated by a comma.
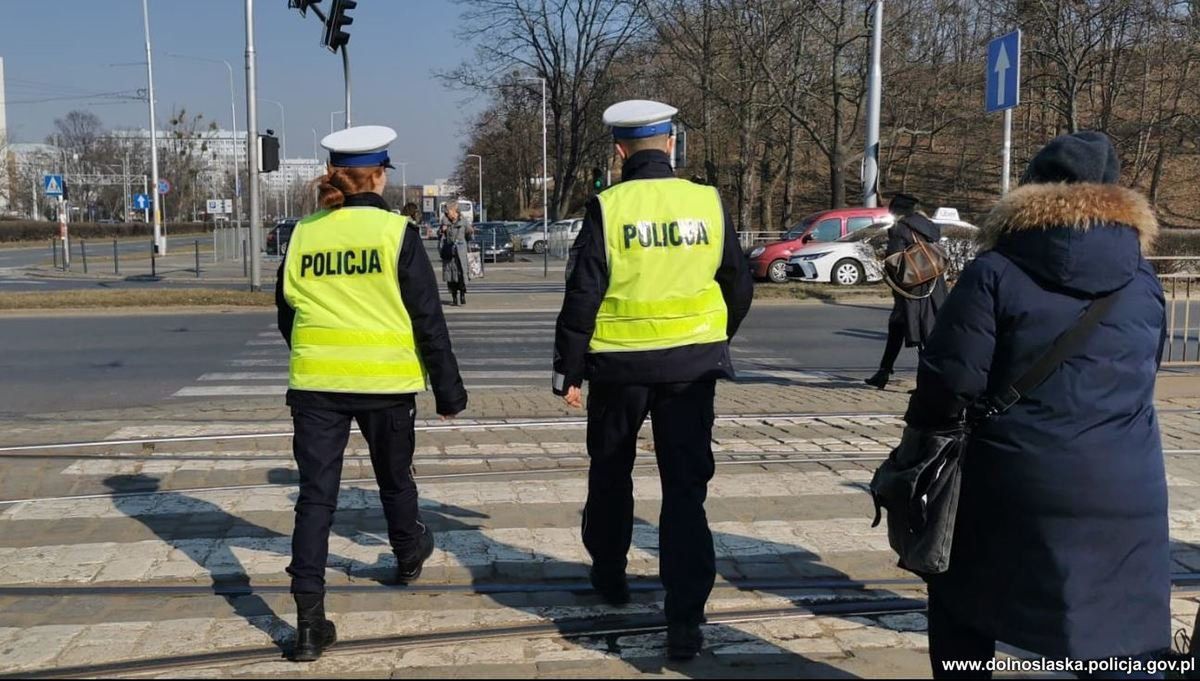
[(920, 481), (447, 248)]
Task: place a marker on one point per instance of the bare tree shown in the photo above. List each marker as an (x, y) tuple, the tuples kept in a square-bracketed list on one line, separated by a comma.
[(572, 44)]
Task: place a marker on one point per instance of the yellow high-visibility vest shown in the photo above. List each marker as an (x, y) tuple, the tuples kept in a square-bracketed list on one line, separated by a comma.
[(664, 239), (352, 333)]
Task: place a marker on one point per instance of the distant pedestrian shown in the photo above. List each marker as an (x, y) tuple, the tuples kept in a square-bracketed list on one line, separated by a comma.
[(412, 212), (357, 303), (453, 236), (656, 286), (914, 311), (1061, 545)]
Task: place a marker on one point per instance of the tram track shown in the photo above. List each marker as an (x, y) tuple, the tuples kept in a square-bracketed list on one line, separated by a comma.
[(568, 629)]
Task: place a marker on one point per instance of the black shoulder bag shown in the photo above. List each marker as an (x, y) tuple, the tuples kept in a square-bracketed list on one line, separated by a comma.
[(919, 482)]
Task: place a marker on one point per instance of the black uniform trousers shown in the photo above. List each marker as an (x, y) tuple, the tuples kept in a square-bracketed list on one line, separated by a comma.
[(318, 446), (682, 418)]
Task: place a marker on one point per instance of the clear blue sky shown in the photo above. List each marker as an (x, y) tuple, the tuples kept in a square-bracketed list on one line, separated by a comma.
[(55, 48)]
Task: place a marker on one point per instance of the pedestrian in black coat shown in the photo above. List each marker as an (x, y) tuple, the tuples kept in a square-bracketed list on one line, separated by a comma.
[(913, 315), (1061, 545)]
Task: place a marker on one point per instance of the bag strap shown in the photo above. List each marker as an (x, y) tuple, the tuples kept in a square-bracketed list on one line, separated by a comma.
[(1064, 346)]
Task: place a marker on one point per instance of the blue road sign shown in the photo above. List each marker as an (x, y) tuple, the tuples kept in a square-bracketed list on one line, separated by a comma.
[(1004, 72), (141, 201), (52, 185), (164, 187)]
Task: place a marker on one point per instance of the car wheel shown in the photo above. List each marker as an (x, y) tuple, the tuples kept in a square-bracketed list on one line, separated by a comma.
[(848, 273), (777, 272), (539, 247)]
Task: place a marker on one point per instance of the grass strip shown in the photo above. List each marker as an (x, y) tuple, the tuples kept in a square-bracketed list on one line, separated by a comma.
[(178, 297)]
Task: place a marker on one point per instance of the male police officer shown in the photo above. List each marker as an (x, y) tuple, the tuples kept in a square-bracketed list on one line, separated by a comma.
[(656, 287), (359, 308)]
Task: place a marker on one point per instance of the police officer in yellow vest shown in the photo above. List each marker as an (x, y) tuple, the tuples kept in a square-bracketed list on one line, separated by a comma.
[(359, 308), (656, 287)]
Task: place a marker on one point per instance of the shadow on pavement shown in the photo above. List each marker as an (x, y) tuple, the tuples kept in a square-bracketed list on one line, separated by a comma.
[(727, 648)]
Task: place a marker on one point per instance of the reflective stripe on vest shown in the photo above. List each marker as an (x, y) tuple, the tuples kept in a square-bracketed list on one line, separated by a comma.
[(352, 333), (664, 240)]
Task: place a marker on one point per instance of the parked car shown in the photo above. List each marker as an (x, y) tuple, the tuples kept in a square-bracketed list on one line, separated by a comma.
[(560, 231), (279, 237), (493, 241), (857, 258), (769, 261)]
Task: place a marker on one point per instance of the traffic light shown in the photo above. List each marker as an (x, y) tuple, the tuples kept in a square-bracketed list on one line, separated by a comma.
[(268, 153), (335, 37), (597, 178), (302, 5)]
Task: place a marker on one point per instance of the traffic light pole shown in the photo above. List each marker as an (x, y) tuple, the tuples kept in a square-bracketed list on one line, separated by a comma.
[(252, 153), (346, 73)]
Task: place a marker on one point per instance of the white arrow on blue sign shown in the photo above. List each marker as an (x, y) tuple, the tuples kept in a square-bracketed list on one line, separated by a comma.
[(141, 201), (1004, 72), (52, 185)]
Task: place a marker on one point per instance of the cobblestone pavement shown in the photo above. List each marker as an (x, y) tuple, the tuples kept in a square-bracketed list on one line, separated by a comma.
[(138, 551)]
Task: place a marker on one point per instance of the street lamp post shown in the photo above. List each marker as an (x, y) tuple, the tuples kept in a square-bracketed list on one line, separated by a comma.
[(480, 158), (237, 177), (287, 178), (160, 242), (403, 183), (870, 171), (331, 113)]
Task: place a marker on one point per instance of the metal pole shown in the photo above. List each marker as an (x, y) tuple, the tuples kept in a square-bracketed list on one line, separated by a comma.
[(83, 254), (479, 212), (252, 152), (160, 243), (63, 217), (545, 193), (54, 251), (346, 75), (1006, 152), (197, 246), (125, 186), (287, 209), (870, 168), (237, 179), (153, 261), (404, 183), (331, 113), (116, 259)]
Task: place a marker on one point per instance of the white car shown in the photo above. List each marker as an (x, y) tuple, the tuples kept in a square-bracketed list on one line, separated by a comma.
[(562, 231), (853, 259)]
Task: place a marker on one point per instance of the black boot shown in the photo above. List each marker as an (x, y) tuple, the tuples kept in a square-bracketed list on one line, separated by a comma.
[(879, 380), (462, 297), (453, 297), (612, 585), (684, 641), (408, 568), (314, 633)]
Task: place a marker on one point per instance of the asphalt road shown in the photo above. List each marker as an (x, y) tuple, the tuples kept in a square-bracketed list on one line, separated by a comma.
[(54, 363)]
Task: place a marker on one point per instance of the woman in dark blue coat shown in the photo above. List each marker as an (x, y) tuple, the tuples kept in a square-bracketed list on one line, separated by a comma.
[(1061, 543)]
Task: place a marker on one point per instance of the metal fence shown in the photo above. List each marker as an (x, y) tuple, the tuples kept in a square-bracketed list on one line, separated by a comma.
[(1181, 288)]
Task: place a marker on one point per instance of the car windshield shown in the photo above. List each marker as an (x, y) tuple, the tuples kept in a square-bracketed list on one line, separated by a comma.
[(799, 229)]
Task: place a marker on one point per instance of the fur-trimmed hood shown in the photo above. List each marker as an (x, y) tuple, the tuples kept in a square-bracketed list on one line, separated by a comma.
[(1085, 239), (1079, 206)]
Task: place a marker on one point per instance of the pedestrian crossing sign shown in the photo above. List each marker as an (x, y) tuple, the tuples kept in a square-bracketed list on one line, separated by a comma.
[(52, 185)]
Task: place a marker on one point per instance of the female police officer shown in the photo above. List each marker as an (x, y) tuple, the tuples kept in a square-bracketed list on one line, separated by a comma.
[(359, 308)]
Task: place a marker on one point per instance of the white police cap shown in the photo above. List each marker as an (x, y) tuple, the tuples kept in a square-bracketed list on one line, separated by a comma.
[(362, 146), (636, 118)]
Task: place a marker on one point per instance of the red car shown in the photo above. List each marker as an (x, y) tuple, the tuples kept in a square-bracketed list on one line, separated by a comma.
[(769, 261)]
